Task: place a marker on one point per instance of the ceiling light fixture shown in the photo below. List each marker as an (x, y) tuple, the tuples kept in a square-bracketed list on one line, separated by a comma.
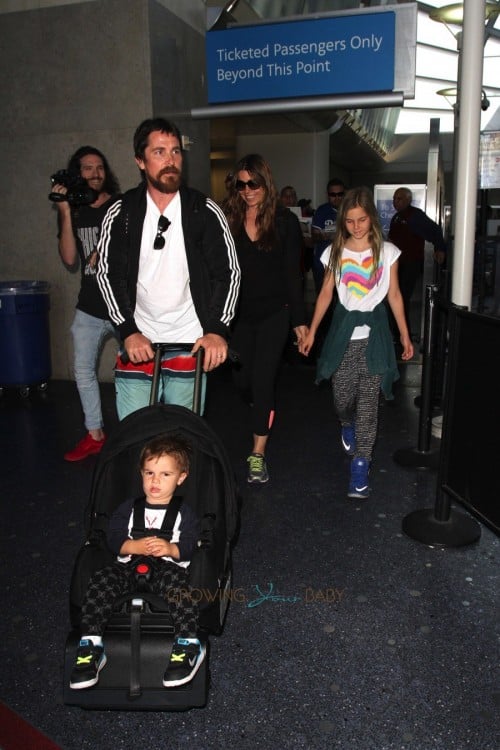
[(454, 14)]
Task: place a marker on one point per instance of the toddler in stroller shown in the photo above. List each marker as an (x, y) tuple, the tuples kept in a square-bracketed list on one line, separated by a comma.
[(144, 633), (154, 538)]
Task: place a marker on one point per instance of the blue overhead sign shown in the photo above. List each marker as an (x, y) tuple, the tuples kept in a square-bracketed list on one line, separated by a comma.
[(317, 57)]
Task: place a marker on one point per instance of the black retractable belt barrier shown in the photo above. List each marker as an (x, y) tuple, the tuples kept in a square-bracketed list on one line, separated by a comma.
[(442, 525), (422, 457)]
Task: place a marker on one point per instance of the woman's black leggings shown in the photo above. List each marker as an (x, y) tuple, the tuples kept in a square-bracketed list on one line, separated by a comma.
[(260, 346)]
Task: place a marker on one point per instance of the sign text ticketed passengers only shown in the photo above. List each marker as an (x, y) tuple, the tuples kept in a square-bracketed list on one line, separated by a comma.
[(302, 58)]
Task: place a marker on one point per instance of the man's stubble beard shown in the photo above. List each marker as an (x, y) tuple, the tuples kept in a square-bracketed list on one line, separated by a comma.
[(171, 186)]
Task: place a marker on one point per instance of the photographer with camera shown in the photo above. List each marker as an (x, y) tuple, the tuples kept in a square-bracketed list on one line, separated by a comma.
[(83, 193)]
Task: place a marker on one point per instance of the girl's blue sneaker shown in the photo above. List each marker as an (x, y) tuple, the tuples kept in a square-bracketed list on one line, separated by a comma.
[(348, 437), (358, 486)]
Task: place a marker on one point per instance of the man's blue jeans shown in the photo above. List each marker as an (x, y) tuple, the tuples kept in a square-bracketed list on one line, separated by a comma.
[(89, 334)]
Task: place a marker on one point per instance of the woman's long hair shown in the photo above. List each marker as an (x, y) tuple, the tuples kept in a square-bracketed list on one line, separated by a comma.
[(360, 197), (235, 207)]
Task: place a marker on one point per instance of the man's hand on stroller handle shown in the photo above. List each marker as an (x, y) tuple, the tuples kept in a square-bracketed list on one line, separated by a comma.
[(216, 350), (138, 348)]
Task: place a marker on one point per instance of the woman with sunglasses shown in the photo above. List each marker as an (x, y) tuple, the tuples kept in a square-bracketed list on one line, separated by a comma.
[(268, 243)]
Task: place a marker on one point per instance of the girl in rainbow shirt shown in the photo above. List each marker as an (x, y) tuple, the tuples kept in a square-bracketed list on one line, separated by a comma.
[(358, 352)]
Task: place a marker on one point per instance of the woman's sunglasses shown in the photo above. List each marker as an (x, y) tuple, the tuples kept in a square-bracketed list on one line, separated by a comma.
[(252, 184)]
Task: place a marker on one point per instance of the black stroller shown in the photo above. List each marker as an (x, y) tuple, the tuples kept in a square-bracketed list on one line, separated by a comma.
[(139, 636)]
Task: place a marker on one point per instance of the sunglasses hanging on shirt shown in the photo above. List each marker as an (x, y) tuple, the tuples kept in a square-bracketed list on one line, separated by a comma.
[(163, 225)]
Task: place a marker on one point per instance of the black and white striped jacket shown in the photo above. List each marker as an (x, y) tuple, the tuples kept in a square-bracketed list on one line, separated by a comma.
[(213, 266)]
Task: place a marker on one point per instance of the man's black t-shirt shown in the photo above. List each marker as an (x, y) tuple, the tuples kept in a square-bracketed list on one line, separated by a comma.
[(87, 226)]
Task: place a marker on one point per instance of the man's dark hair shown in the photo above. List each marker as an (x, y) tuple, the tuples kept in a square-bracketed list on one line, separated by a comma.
[(149, 126), (334, 181), (111, 184)]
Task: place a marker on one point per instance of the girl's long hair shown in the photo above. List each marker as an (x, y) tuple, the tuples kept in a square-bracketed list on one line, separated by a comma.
[(360, 197), (235, 207)]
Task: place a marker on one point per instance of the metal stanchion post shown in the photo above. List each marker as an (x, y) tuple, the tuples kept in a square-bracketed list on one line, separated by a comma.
[(441, 339), (442, 525), (421, 456)]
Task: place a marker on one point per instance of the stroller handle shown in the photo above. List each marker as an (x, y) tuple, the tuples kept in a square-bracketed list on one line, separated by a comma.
[(159, 349), (231, 354)]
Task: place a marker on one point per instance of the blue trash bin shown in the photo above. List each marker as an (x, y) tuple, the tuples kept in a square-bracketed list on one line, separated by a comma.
[(24, 333)]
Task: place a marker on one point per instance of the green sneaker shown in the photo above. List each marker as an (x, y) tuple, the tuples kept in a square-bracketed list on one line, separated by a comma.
[(185, 660), (89, 661), (257, 469)]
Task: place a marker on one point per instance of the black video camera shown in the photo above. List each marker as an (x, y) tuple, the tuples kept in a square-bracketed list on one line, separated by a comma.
[(78, 192)]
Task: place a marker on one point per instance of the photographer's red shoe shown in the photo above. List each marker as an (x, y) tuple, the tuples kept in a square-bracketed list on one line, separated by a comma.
[(86, 447)]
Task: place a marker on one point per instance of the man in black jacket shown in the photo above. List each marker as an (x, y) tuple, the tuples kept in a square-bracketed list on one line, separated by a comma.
[(409, 230), (168, 273)]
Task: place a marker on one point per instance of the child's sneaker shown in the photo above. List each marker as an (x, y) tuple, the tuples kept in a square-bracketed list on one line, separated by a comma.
[(185, 660), (348, 437), (358, 486), (90, 660), (257, 469)]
